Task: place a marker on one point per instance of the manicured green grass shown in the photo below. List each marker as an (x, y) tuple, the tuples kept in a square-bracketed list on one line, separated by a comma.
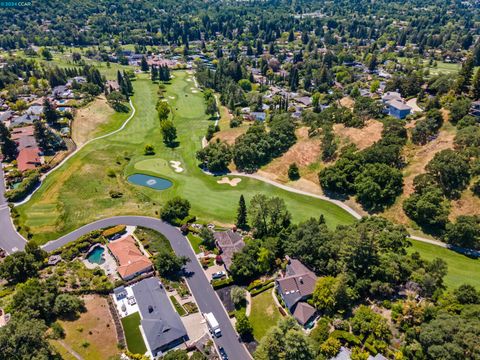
[(178, 308), (264, 314), (78, 192), (461, 269), (195, 241), (152, 240), (131, 327)]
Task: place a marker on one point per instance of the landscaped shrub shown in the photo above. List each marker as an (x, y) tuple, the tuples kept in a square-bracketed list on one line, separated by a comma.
[(24, 189), (346, 337), (219, 284), (81, 245), (255, 284), (119, 229), (262, 289)]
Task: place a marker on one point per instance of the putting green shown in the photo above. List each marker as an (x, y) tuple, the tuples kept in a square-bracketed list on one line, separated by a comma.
[(80, 191)]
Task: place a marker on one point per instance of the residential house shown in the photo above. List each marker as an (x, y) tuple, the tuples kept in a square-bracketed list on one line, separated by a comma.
[(228, 242), (28, 159), (62, 92), (6, 116), (345, 354), (475, 109), (131, 261), (113, 85), (295, 288), (24, 137), (160, 325), (35, 110), (395, 105), (398, 109), (77, 80), (304, 100), (23, 120)]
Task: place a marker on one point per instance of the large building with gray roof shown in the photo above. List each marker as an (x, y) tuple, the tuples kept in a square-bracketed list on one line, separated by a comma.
[(161, 326)]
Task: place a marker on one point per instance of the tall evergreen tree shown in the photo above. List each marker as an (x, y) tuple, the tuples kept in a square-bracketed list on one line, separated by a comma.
[(144, 64), (476, 85), (8, 146), (50, 113), (242, 214)]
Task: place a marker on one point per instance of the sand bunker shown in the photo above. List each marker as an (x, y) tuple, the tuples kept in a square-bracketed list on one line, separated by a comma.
[(231, 182), (164, 100), (176, 165), (189, 80), (171, 97), (194, 91)]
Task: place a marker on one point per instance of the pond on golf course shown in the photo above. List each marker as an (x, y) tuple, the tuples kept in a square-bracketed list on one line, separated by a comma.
[(152, 182)]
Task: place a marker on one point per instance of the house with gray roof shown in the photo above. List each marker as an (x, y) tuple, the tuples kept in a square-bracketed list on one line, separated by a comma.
[(25, 119), (160, 324), (346, 354), (228, 242), (35, 110), (295, 287)]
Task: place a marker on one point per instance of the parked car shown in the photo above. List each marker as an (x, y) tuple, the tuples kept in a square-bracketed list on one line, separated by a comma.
[(223, 354), (218, 275)]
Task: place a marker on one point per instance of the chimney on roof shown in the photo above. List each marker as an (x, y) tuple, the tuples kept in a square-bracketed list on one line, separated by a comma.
[(150, 309), (287, 258), (301, 280)]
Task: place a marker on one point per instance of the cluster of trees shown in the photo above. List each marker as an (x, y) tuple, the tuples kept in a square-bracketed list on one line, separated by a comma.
[(447, 174), (161, 73), (47, 140), (175, 210), (168, 129), (34, 306), (258, 146), (125, 84), (253, 149), (372, 174), (7, 145), (427, 128)]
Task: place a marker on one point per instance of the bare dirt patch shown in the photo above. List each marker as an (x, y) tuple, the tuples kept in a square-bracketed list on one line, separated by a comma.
[(468, 204), (87, 119), (419, 156), (347, 102), (304, 152), (94, 327), (362, 138), (230, 134)]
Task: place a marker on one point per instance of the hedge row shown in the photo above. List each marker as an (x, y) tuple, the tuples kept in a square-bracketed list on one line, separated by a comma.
[(24, 189), (259, 284), (119, 229), (262, 289), (218, 284)]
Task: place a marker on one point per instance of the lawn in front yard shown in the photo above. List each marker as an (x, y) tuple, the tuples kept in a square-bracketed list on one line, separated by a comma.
[(93, 334), (131, 327), (152, 240), (264, 314), (461, 269), (195, 241)]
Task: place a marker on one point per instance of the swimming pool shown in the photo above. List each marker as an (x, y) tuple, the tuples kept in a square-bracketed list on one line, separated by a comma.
[(152, 182), (96, 255)]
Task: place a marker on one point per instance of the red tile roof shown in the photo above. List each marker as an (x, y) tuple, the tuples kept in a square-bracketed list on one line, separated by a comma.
[(130, 259), (28, 159)]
